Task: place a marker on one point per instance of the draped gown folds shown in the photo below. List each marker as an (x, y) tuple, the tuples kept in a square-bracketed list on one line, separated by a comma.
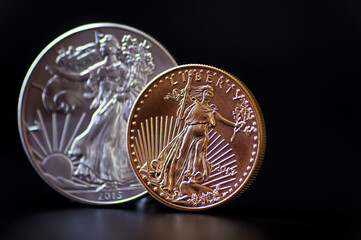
[(185, 156)]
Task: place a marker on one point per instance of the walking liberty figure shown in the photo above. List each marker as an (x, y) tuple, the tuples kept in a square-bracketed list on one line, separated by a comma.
[(182, 165), (111, 74)]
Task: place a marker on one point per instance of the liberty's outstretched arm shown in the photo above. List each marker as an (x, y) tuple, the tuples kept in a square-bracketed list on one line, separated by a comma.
[(224, 120), (76, 76)]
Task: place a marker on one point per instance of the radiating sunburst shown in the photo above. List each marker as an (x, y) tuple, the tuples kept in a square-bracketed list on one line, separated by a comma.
[(155, 133), (55, 145)]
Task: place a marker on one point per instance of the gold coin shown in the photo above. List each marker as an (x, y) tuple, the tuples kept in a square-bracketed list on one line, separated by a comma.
[(196, 137)]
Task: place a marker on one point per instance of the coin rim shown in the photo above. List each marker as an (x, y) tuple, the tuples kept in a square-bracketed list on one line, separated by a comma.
[(258, 159), (25, 83)]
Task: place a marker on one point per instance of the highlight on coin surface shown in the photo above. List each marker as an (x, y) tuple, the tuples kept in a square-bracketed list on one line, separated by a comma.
[(74, 106), (196, 137)]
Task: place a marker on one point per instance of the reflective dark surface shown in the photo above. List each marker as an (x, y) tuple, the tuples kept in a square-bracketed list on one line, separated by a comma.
[(148, 219), (125, 224)]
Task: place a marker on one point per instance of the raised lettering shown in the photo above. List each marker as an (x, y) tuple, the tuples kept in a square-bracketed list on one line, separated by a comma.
[(209, 77), (220, 82), (110, 196), (170, 78), (183, 76), (198, 76), (226, 170), (190, 76), (230, 86), (238, 95)]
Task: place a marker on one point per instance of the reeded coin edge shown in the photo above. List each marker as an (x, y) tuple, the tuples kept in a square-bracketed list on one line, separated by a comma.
[(258, 159), (26, 79), (262, 145)]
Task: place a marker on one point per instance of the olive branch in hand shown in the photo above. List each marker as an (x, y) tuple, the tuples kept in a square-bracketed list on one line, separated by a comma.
[(242, 114)]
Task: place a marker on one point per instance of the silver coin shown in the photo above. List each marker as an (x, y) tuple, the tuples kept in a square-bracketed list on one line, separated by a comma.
[(74, 105)]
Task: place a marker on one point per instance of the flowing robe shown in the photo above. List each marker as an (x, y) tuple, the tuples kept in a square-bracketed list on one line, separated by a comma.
[(186, 155), (101, 148)]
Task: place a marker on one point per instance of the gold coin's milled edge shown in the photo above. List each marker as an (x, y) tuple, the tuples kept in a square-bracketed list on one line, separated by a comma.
[(20, 113), (262, 145), (258, 160)]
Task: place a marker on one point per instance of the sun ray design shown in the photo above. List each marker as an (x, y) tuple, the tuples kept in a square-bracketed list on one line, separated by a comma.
[(165, 133), (55, 132), (37, 86), (215, 147), (46, 146), (148, 141), (74, 133), (36, 139), (141, 147), (211, 137), (219, 157), (65, 129), (225, 187), (175, 129), (222, 160), (224, 182), (156, 137), (229, 163), (137, 154), (220, 150), (170, 129), (216, 172), (155, 134), (152, 137), (44, 131), (160, 135), (215, 179), (144, 144), (36, 153)]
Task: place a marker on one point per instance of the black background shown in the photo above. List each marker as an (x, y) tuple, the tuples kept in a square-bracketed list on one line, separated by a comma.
[(300, 59)]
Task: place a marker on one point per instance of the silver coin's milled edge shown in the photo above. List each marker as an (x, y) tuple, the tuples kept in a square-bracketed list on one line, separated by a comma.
[(26, 79)]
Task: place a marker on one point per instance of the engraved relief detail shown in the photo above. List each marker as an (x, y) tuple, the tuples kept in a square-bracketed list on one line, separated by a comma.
[(103, 78), (183, 159)]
